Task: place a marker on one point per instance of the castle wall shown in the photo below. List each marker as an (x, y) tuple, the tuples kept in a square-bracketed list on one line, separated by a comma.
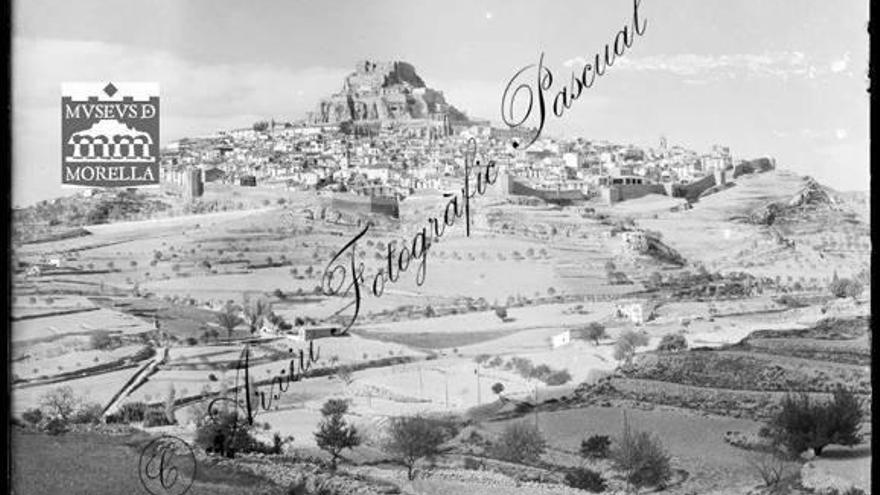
[(623, 192), (693, 190), (758, 165)]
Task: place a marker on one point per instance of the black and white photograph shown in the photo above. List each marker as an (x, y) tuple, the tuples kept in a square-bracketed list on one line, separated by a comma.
[(451, 247)]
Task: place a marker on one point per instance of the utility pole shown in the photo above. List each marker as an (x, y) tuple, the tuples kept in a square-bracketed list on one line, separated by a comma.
[(421, 390), (536, 404), (477, 372), (446, 381)]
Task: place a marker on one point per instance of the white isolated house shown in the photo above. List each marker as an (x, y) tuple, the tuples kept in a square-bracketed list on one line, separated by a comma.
[(561, 339)]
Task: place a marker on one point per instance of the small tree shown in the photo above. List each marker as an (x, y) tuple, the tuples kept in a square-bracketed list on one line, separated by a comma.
[(60, 403), (334, 433), (672, 342), (520, 442), (594, 331), (801, 424), (169, 404), (255, 311), (413, 438), (501, 313), (641, 458), (497, 388), (228, 318), (344, 374), (627, 343)]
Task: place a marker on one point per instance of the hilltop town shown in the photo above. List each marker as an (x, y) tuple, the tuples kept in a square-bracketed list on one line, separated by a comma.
[(386, 132)]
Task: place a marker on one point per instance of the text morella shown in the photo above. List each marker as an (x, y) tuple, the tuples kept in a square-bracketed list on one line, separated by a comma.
[(109, 173)]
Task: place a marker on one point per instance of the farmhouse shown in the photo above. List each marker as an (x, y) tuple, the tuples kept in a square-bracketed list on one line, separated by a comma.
[(304, 334), (637, 312), (561, 339)]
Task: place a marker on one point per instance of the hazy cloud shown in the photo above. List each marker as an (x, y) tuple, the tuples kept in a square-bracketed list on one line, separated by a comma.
[(189, 90), (698, 69)]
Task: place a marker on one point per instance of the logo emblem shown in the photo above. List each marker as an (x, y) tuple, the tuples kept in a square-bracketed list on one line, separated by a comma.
[(110, 134)]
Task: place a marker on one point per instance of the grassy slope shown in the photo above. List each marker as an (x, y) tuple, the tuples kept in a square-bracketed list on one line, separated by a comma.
[(96, 464)]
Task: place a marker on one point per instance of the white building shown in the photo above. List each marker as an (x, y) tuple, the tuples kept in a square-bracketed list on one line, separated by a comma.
[(561, 339)]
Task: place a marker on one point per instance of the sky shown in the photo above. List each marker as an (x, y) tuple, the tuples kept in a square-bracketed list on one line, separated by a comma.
[(781, 78)]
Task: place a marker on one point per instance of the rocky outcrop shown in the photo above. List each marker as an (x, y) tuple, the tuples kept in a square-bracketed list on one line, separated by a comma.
[(812, 194), (378, 92)]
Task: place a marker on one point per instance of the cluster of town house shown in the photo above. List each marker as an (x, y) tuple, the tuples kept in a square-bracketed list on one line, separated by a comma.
[(399, 158), (386, 133)]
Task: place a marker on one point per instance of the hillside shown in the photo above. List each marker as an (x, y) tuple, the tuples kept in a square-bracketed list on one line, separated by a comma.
[(750, 298)]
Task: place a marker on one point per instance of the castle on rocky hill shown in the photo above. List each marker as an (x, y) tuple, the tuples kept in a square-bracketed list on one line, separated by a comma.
[(385, 92)]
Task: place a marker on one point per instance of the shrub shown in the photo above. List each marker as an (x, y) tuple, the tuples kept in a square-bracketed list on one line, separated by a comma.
[(585, 479), (482, 358), (56, 426), (33, 416), (596, 447), (130, 412), (790, 301), (522, 366), (626, 345), (497, 388), (224, 434), (560, 377), (102, 340), (540, 372), (672, 342), (769, 467), (801, 424), (501, 313), (641, 458), (344, 374), (520, 442), (845, 287), (472, 464), (88, 414), (415, 437), (155, 416), (334, 433)]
